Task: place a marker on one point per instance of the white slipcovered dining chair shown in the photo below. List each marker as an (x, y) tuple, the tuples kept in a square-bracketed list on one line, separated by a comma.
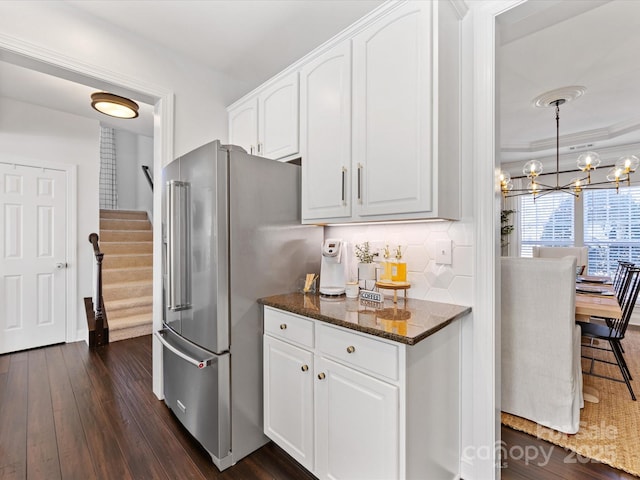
[(581, 254), (541, 368)]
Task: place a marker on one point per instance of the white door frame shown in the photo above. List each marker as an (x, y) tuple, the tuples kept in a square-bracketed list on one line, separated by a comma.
[(486, 309), (71, 199), (55, 63)]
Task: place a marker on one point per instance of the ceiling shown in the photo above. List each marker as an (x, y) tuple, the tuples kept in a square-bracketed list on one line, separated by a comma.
[(249, 40), (544, 45), (549, 45)]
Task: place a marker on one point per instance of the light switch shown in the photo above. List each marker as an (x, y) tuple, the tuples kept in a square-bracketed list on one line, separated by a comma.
[(443, 252)]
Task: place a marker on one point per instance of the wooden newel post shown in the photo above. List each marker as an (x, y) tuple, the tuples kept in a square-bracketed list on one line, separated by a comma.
[(100, 333), (99, 307)]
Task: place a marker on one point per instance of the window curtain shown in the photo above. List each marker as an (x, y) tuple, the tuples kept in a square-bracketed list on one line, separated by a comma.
[(511, 242), (108, 180)]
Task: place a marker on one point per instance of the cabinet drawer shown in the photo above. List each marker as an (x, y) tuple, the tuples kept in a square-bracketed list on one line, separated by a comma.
[(288, 326), (362, 352)]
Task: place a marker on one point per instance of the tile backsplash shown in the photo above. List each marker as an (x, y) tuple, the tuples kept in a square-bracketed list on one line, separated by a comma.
[(429, 280)]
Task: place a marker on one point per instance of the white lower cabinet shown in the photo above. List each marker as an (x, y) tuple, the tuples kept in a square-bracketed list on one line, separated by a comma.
[(349, 406), (356, 421), (288, 395)]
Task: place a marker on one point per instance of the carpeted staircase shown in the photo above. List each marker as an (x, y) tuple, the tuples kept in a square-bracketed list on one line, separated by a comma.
[(126, 239)]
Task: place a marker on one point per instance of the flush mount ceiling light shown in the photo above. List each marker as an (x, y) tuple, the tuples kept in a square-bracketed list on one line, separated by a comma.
[(114, 105), (586, 162)]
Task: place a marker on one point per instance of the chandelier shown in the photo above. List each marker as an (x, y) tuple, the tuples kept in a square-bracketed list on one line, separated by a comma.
[(588, 161)]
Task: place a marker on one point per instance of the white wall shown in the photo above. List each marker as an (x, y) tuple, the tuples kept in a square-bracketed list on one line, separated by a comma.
[(77, 42), (133, 151), (201, 94), (32, 132)]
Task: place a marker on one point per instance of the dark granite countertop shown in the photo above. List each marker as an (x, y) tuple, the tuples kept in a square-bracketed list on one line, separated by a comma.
[(408, 322)]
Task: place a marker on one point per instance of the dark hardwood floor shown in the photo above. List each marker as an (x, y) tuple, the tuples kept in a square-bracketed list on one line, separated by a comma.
[(547, 461), (70, 413)]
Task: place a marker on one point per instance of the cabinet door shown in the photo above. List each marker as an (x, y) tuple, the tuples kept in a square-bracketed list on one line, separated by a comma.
[(392, 113), (288, 399), (243, 126), (325, 134), (357, 424), (278, 119)]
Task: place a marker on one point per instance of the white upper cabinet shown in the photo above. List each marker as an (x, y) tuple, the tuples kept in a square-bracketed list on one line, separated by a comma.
[(404, 128), (325, 134), (379, 117), (266, 123), (278, 119), (243, 125), (392, 114)]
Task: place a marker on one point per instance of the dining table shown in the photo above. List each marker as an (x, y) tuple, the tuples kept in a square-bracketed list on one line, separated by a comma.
[(595, 297)]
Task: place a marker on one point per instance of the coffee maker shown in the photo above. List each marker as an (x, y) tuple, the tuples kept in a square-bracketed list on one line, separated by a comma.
[(333, 269)]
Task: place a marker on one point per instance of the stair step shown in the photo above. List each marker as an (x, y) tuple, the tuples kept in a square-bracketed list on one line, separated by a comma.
[(126, 235), (124, 214), (119, 224), (124, 303), (127, 290), (127, 274), (115, 314), (126, 247), (129, 327), (123, 261)]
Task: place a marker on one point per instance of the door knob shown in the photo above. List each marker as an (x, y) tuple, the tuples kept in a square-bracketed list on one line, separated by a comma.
[(61, 265)]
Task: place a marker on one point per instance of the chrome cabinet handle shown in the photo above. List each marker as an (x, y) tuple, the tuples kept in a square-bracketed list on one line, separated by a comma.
[(304, 368), (360, 167), (283, 326), (351, 349), (344, 186), (321, 376), (259, 147)]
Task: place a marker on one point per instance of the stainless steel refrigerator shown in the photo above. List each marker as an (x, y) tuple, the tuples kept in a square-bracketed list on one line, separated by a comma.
[(231, 234)]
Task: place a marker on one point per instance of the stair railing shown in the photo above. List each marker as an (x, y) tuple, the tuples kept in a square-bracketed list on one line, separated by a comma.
[(99, 337), (145, 170)]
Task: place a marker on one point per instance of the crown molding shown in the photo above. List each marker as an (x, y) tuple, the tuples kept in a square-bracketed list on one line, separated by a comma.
[(579, 138)]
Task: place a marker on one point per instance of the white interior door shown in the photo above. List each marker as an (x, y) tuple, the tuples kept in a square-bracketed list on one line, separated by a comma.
[(32, 257)]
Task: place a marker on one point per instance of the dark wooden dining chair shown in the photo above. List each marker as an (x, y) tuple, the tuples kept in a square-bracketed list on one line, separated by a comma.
[(620, 285), (620, 276), (613, 330)]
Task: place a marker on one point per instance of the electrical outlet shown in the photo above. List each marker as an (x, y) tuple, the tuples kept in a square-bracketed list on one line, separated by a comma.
[(443, 252)]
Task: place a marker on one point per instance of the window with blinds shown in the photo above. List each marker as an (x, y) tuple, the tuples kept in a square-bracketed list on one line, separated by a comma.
[(546, 221), (612, 228)]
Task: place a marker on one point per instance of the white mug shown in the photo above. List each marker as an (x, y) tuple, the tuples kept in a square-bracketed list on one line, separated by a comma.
[(352, 289)]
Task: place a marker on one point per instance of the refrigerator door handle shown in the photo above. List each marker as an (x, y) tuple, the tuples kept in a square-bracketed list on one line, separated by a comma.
[(178, 246), (198, 362)]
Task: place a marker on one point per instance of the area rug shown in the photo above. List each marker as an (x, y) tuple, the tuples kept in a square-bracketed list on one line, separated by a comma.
[(610, 430)]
